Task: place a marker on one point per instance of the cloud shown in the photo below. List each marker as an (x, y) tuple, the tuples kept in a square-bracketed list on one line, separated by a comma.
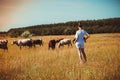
[(7, 8)]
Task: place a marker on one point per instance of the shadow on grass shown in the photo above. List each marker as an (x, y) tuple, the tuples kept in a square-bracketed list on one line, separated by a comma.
[(12, 74)]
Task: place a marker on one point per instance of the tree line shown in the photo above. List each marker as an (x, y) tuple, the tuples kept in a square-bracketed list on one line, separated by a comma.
[(111, 25)]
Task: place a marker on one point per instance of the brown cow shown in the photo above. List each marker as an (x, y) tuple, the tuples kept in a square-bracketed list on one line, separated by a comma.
[(52, 43)]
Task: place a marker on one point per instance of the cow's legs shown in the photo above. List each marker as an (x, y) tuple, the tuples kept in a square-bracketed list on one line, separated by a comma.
[(34, 45), (20, 47)]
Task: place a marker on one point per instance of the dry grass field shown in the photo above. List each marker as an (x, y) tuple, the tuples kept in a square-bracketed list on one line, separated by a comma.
[(103, 54)]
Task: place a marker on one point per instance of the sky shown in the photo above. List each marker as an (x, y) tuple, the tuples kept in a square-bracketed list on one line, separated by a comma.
[(23, 13)]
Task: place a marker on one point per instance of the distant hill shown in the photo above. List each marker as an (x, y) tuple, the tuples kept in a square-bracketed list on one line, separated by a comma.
[(3, 34), (111, 25)]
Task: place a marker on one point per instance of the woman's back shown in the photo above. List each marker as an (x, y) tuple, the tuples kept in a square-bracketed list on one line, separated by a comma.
[(80, 36)]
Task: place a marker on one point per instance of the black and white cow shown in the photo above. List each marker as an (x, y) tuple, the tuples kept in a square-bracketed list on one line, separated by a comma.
[(64, 42), (37, 42), (23, 42), (3, 44)]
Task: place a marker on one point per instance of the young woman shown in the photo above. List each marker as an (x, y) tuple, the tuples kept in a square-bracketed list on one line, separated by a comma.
[(79, 42)]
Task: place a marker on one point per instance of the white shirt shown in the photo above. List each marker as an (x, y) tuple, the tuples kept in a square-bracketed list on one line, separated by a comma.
[(79, 36)]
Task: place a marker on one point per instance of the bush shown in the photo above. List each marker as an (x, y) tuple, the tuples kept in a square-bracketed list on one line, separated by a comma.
[(26, 34)]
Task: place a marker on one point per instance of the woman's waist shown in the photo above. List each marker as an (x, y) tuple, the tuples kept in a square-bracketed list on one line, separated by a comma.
[(79, 42)]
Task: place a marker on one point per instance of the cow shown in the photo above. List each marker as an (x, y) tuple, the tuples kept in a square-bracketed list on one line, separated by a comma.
[(3, 44), (23, 42), (52, 43), (37, 42), (58, 40), (64, 42)]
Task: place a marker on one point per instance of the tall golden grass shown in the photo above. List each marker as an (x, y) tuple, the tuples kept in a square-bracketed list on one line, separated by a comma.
[(103, 54)]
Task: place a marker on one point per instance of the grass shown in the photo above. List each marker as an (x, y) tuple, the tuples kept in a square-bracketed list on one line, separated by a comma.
[(103, 54)]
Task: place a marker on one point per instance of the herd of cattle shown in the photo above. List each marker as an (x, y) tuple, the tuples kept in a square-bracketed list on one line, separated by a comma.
[(33, 42)]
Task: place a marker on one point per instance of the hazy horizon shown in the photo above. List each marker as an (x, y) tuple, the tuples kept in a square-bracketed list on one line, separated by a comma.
[(51, 23)]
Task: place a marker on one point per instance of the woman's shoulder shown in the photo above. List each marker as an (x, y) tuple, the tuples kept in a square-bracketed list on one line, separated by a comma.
[(77, 31), (83, 30)]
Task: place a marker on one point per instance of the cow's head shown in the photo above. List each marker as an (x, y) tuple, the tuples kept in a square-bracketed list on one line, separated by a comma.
[(58, 40)]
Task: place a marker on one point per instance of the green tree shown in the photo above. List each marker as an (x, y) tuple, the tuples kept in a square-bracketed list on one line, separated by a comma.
[(67, 31), (26, 34)]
